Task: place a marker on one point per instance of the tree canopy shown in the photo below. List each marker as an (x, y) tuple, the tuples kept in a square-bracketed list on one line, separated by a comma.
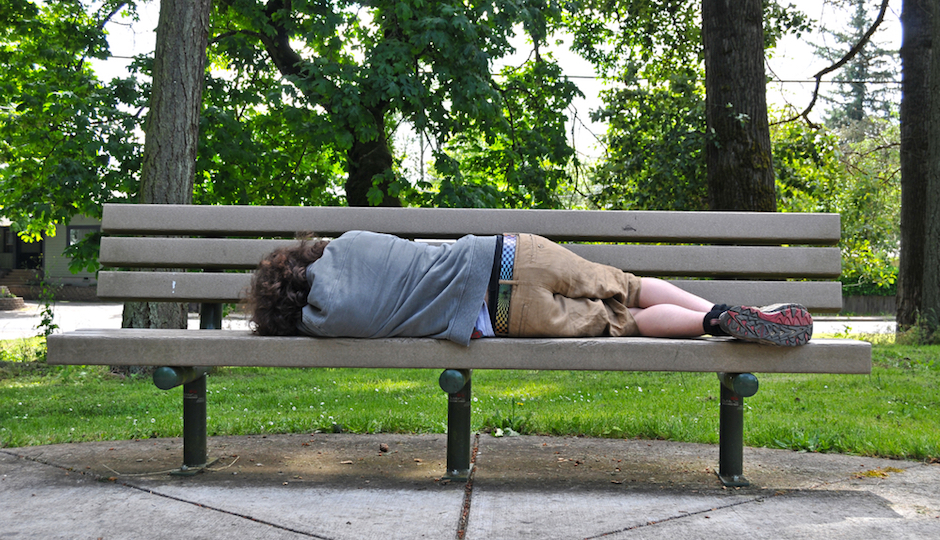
[(66, 140), (305, 102), (354, 67)]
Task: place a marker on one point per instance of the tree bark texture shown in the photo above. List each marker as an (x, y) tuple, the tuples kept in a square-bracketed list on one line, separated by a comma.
[(915, 153), (930, 306), (738, 156), (169, 162), (172, 132)]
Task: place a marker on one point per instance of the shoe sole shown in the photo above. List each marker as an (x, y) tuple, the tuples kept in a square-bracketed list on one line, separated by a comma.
[(786, 325)]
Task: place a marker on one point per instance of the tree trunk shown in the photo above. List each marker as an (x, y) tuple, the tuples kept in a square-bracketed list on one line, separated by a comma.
[(366, 160), (172, 133), (738, 156), (930, 307), (915, 169)]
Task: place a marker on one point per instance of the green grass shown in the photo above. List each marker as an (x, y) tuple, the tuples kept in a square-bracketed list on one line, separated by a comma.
[(894, 412)]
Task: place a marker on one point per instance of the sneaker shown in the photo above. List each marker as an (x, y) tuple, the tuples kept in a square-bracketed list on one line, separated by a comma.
[(780, 324)]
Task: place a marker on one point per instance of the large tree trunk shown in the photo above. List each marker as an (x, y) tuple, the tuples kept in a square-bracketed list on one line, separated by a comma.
[(738, 155), (915, 153), (930, 308), (172, 133)]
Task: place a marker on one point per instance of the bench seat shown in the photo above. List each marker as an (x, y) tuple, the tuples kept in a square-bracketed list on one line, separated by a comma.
[(241, 348)]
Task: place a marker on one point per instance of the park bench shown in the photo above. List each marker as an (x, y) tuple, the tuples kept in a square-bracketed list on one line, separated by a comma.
[(736, 258)]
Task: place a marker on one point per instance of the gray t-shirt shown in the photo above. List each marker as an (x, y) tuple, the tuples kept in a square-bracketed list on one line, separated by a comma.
[(374, 285)]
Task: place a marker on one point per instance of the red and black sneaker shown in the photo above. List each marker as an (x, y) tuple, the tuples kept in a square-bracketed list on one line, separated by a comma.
[(787, 325)]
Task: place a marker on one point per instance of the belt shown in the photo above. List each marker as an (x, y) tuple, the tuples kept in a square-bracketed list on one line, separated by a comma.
[(504, 291)]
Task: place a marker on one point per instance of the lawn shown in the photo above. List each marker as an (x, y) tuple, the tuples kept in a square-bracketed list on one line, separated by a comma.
[(894, 412)]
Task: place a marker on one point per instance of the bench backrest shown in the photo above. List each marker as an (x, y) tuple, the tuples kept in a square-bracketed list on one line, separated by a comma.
[(730, 257)]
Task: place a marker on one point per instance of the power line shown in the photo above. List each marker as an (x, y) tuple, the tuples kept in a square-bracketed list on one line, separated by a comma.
[(813, 81)]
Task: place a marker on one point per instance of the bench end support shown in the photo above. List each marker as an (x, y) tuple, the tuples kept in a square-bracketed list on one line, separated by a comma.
[(457, 385), (734, 388)]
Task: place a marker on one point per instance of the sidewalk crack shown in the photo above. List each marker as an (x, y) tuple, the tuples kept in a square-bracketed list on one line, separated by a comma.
[(468, 491)]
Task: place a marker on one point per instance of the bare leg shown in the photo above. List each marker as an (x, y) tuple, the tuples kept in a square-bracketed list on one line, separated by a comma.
[(668, 311), (654, 292), (666, 320)]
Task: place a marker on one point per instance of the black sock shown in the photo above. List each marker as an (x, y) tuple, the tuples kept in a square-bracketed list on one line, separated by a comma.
[(710, 323)]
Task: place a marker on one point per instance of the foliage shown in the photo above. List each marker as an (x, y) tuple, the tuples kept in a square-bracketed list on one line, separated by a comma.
[(255, 145), (23, 350), (656, 146), (47, 323), (276, 133), (356, 67), (825, 171), (650, 51), (857, 98), (520, 166), (65, 137)]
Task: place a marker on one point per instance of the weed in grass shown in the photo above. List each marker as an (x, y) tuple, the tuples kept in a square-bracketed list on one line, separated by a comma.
[(23, 350), (515, 421)]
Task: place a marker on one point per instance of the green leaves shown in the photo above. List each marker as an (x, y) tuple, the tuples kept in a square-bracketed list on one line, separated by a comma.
[(857, 177), (358, 66), (64, 132)]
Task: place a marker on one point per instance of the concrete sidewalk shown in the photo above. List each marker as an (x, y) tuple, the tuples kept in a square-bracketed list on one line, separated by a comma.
[(342, 486)]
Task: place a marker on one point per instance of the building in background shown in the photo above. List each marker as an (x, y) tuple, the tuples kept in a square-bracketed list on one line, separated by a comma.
[(24, 264)]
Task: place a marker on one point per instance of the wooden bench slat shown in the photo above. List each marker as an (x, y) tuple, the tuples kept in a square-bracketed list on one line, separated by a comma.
[(818, 296), (240, 348), (172, 286), (686, 261), (761, 262), (559, 225), (209, 253)]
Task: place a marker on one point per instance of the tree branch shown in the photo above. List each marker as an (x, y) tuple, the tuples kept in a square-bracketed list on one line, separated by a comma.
[(844, 60)]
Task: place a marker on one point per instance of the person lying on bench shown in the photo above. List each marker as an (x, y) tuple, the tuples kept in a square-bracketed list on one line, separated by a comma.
[(371, 285)]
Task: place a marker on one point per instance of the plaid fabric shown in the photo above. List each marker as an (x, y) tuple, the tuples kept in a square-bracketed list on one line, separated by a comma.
[(501, 324)]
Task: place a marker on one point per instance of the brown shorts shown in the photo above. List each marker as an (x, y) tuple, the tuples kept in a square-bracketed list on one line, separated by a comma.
[(556, 293)]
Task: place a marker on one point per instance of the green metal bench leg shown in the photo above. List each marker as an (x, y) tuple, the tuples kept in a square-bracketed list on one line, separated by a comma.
[(195, 454), (457, 385), (193, 379), (194, 398), (734, 388)]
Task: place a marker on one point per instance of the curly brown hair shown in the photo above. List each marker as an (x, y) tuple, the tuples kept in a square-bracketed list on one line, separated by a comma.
[(279, 288)]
